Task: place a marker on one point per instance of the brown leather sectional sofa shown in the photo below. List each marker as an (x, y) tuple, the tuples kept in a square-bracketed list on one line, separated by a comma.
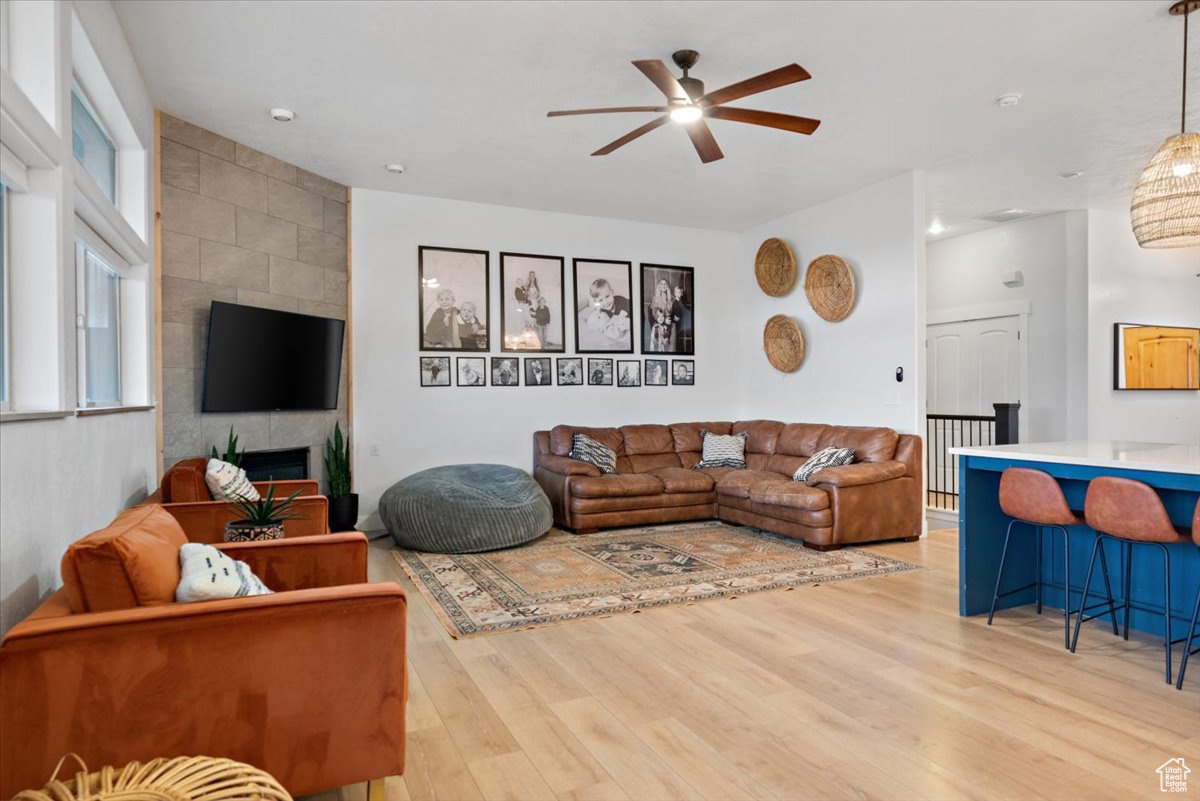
[(878, 497)]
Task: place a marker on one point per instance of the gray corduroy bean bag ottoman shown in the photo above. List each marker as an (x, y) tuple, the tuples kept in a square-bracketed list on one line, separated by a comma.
[(465, 508)]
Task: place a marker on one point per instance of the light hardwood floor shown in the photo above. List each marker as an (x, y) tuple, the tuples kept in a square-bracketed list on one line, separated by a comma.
[(871, 689)]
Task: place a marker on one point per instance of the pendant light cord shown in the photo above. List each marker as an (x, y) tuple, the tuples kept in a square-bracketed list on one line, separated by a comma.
[(1187, 7)]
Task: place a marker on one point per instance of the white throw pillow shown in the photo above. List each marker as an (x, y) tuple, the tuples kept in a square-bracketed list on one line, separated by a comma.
[(228, 482), (829, 457), (722, 450), (206, 574), (586, 449)]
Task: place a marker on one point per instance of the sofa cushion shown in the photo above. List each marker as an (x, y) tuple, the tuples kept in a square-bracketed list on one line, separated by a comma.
[(761, 435), (793, 495), (799, 439), (561, 439), (688, 442), (739, 482), (184, 483), (615, 486), (134, 561), (869, 444), (678, 479), (647, 439)]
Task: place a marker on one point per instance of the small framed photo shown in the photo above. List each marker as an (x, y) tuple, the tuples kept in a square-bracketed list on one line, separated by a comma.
[(472, 371), (453, 295), (570, 372), (435, 371), (506, 371), (629, 373), (603, 306), (667, 306), (537, 372), (531, 296), (683, 372), (656, 372), (600, 372)]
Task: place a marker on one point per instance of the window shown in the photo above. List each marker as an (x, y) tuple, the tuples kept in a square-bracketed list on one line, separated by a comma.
[(99, 325), (5, 401), (92, 146)]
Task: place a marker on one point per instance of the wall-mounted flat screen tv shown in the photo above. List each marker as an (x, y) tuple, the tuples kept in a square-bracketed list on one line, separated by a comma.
[(267, 360)]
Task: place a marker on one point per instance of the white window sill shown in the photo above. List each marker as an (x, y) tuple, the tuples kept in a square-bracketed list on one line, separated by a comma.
[(97, 410), (17, 417)]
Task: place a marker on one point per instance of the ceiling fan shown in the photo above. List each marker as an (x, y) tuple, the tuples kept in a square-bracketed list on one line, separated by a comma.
[(688, 104)]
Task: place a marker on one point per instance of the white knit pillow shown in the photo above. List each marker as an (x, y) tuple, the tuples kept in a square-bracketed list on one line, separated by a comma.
[(206, 574), (829, 457), (228, 482)]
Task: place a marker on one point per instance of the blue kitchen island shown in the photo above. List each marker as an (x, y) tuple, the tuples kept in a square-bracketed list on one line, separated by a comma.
[(1172, 469)]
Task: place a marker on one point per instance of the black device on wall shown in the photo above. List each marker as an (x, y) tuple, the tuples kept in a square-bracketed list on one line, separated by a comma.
[(266, 360)]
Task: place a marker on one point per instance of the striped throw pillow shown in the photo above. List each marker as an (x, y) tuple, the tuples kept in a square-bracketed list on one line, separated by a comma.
[(722, 450), (228, 482), (586, 449), (829, 457), (207, 573)]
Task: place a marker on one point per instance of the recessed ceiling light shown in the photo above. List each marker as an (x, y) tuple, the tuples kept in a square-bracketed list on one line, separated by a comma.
[(282, 115), (1004, 101), (936, 227), (1069, 175), (394, 167)]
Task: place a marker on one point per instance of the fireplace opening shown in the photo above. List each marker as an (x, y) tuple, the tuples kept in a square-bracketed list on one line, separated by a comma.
[(282, 464)]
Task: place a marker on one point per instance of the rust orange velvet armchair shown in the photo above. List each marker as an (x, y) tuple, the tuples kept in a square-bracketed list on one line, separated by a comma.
[(308, 684), (184, 494)]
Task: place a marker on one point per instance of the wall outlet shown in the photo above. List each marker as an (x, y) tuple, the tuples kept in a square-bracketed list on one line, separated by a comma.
[(374, 449), (891, 397)]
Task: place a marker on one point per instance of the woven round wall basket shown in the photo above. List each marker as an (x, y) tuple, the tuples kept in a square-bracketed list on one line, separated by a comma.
[(783, 342), (179, 779), (829, 284), (775, 267)]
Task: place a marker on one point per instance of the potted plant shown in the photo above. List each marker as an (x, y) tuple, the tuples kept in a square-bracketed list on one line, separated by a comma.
[(260, 520), (343, 504), (231, 452)]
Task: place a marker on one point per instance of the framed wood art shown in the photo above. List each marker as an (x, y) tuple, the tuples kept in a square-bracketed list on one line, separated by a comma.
[(435, 371), (531, 299), (506, 372), (603, 306), (668, 303), (600, 372), (472, 371), (453, 295), (629, 373), (570, 372), (656, 372)]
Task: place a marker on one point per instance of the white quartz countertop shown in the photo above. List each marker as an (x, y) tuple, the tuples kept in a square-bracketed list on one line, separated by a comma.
[(1156, 456)]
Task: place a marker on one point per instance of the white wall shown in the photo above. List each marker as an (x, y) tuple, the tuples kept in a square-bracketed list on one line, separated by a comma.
[(1051, 253), (1127, 284), (63, 477), (848, 374), (415, 428)]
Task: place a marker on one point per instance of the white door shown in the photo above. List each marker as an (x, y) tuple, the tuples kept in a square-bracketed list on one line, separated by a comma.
[(971, 365)]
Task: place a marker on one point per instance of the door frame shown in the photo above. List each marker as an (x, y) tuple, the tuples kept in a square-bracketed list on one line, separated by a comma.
[(1021, 309)]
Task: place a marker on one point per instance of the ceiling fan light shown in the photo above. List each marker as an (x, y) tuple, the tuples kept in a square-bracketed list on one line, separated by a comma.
[(686, 114), (1165, 210)]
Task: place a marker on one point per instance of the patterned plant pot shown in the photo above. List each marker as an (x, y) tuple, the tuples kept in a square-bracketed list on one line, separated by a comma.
[(241, 531)]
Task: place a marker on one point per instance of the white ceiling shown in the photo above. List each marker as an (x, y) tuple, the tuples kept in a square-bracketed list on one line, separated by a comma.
[(458, 92)]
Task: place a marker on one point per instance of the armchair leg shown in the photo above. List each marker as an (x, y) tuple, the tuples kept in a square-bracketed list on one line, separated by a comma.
[(375, 790)]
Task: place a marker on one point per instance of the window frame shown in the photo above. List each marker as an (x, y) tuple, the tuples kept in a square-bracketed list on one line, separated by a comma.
[(77, 90), (5, 298), (87, 240)]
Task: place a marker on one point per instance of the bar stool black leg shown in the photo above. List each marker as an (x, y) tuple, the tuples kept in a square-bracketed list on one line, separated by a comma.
[(1087, 583), (1166, 605), (1066, 587), (1128, 551), (1000, 572), (1112, 607), (1187, 645), (1038, 544)]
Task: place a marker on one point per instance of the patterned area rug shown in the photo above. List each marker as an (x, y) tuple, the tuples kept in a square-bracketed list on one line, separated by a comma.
[(567, 576)]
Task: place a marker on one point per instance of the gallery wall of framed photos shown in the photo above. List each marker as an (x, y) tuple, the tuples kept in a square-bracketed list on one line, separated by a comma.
[(612, 310)]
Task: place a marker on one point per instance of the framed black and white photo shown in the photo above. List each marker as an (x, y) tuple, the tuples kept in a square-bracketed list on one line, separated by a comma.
[(570, 372), (531, 296), (506, 371), (472, 371), (656, 372), (454, 298), (667, 309), (600, 372), (435, 371), (683, 372), (603, 306), (629, 373), (537, 372)]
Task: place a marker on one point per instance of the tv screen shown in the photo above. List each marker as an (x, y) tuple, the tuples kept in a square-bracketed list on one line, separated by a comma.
[(267, 360)]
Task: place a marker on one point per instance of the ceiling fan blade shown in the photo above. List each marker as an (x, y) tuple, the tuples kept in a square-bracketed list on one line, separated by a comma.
[(786, 122), (659, 109), (704, 142), (759, 83), (634, 134), (657, 72)]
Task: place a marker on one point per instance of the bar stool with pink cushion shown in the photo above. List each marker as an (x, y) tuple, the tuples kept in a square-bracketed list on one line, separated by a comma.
[(1189, 647), (1131, 513), (1034, 497)]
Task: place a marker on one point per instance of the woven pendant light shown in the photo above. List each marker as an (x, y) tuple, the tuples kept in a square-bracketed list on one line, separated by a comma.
[(1165, 210)]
